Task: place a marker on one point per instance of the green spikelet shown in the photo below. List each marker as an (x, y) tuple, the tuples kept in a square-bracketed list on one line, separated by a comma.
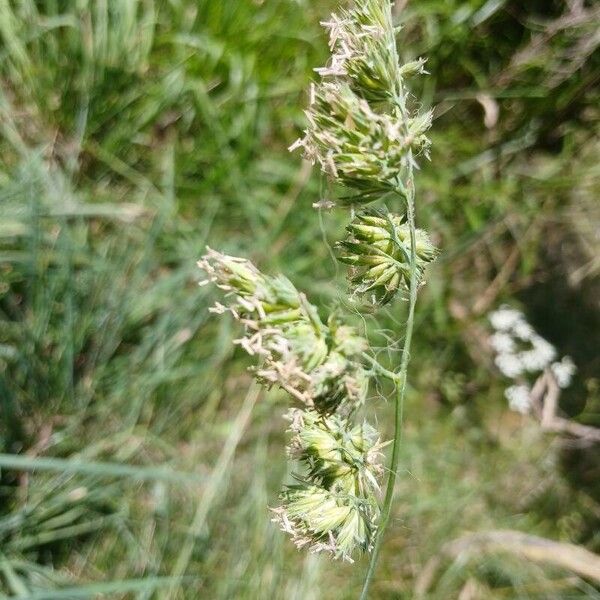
[(318, 364), (377, 248)]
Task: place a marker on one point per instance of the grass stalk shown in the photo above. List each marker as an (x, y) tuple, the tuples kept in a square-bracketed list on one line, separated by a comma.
[(213, 487), (99, 469), (400, 392)]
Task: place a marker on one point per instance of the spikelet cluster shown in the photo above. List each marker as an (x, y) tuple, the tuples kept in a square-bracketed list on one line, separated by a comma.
[(377, 248), (364, 136), (333, 506), (318, 364), (363, 50), (338, 454), (362, 149)]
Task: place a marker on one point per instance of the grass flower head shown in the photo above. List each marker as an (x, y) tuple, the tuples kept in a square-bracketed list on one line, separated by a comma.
[(377, 248), (326, 521), (318, 364)]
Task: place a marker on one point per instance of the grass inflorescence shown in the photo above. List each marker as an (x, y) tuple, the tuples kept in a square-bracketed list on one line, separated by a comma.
[(138, 460)]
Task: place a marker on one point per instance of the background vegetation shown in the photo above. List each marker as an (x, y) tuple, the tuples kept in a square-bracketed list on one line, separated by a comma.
[(132, 134)]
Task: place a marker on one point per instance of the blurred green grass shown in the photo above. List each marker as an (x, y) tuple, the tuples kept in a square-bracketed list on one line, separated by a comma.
[(134, 133)]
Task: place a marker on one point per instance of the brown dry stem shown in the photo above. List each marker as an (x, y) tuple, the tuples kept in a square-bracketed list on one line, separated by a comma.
[(530, 547)]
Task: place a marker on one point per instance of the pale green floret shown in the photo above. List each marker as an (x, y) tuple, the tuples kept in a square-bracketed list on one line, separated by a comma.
[(415, 67), (325, 521), (378, 250), (320, 365), (336, 452), (355, 531), (363, 48)]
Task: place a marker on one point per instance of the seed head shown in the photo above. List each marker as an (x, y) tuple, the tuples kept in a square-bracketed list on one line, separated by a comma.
[(362, 149), (318, 364), (336, 453), (377, 248), (327, 521)]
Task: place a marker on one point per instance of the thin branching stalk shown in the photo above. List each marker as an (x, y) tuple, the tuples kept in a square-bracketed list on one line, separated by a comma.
[(399, 397), (379, 369), (407, 193)]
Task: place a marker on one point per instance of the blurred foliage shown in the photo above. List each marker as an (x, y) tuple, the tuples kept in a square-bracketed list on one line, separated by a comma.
[(132, 134)]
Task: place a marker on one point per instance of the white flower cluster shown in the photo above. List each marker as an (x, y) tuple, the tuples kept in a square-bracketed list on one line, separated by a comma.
[(563, 371), (520, 351), (518, 398)]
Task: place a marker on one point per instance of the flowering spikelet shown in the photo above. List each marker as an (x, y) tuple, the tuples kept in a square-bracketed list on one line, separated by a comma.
[(316, 363), (362, 41), (363, 50), (362, 149), (378, 250), (327, 521), (336, 452), (333, 508)]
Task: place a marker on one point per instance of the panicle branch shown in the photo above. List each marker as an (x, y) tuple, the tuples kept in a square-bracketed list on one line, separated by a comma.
[(364, 135), (334, 507), (318, 364)]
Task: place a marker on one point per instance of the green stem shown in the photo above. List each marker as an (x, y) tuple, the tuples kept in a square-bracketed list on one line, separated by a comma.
[(400, 393), (380, 369)]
